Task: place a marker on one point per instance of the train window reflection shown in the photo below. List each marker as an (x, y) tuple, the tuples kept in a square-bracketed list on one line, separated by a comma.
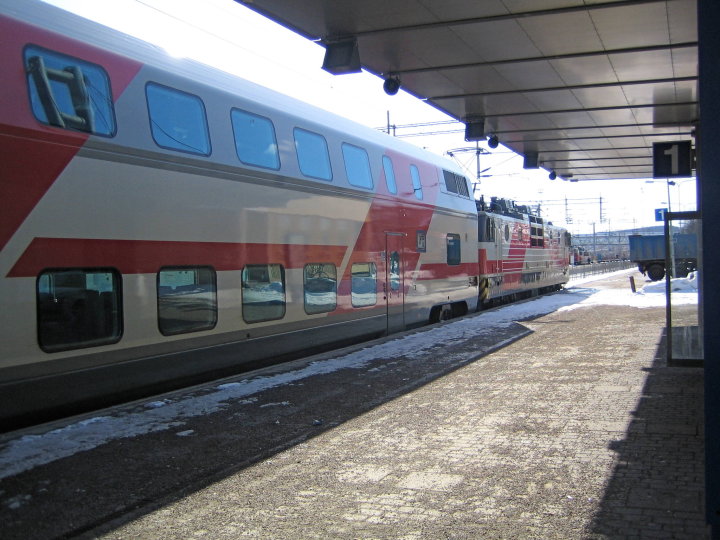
[(177, 120), (394, 271), (69, 93), (453, 249), (312, 154), (263, 292), (417, 184), (78, 308), (364, 284), (255, 140), (357, 166), (320, 286), (187, 300)]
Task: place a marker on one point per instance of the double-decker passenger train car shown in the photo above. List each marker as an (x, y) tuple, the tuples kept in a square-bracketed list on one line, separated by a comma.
[(164, 222)]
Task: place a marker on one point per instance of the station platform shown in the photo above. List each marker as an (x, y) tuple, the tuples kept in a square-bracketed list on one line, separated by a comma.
[(553, 418)]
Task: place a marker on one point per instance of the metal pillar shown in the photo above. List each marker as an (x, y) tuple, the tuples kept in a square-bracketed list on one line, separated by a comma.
[(708, 172)]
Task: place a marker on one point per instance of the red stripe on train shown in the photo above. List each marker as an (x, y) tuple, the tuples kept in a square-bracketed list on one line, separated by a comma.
[(148, 256)]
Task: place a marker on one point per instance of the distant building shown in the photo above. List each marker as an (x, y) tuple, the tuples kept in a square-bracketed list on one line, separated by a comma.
[(608, 245)]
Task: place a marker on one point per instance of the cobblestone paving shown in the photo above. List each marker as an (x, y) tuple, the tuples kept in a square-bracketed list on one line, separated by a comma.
[(575, 431)]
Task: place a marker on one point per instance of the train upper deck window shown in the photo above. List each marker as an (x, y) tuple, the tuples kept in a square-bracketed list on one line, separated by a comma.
[(255, 140), (69, 93), (263, 292), (78, 308), (320, 286), (453, 249), (187, 300), (177, 120), (389, 174), (364, 284), (357, 166), (417, 184), (312, 154)]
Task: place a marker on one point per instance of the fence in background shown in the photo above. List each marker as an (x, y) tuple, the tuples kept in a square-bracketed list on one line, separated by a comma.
[(584, 270)]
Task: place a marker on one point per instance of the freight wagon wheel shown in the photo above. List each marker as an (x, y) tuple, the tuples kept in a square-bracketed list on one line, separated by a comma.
[(656, 272)]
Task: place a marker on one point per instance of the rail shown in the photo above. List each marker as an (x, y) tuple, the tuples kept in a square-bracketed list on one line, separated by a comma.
[(583, 270)]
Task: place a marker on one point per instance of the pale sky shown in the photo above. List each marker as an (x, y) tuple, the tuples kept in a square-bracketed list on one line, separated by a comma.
[(225, 34)]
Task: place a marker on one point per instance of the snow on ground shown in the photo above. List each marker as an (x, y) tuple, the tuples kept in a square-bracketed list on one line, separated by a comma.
[(28, 451)]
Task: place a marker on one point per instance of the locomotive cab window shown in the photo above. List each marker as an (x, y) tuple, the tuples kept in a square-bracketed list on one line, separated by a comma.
[(357, 166), (263, 292), (312, 154), (78, 308), (187, 300), (255, 141), (177, 120), (320, 286), (364, 284), (453, 249), (69, 93), (486, 229)]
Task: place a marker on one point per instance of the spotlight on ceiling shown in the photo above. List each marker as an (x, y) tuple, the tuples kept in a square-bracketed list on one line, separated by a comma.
[(552, 175), (342, 57), (492, 141), (391, 86)]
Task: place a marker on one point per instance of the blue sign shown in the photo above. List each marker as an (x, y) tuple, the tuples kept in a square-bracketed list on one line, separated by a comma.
[(660, 214)]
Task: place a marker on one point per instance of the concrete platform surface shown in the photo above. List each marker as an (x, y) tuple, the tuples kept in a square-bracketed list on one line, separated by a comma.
[(567, 425)]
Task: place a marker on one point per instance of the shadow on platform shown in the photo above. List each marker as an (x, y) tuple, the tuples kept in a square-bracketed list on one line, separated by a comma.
[(657, 486)]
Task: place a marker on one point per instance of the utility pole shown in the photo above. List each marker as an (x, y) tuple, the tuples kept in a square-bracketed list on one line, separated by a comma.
[(594, 243)]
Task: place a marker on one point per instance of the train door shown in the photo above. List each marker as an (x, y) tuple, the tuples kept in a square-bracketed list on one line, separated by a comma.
[(394, 286)]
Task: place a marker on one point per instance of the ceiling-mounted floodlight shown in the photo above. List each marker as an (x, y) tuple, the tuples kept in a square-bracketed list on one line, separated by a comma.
[(492, 141), (530, 160), (552, 175), (391, 86), (342, 57), (474, 128)]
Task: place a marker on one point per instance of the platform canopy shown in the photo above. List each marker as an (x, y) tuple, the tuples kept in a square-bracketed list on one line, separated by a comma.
[(580, 87)]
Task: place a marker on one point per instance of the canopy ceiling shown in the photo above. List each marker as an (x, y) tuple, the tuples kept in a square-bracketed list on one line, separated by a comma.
[(587, 85)]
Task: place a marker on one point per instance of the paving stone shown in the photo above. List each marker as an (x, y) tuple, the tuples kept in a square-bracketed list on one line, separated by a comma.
[(574, 429)]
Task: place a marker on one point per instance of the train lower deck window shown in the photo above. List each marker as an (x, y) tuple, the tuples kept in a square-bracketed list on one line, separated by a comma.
[(187, 300), (69, 93), (78, 308), (417, 184), (255, 141), (177, 120), (320, 287), (364, 284), (453, 249), (357, 166), (263, 292), (389, 175), (312, 154)]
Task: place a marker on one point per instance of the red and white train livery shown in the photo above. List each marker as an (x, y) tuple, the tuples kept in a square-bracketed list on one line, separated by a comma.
[(164, 221)]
